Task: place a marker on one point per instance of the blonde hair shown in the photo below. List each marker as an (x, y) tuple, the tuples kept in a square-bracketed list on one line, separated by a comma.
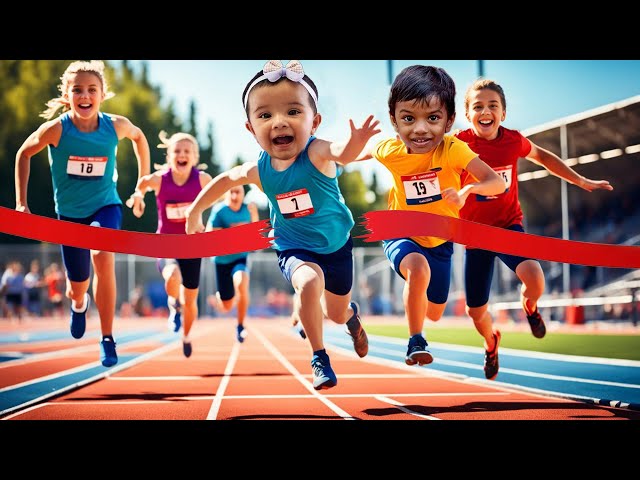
[(166, 142), (93, 66)]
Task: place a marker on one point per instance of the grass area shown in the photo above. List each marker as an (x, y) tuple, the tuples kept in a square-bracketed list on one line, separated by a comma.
[(590, 345)]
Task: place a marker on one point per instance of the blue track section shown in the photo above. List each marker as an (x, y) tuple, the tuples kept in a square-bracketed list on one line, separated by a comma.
[(12, 398), (568, 376)]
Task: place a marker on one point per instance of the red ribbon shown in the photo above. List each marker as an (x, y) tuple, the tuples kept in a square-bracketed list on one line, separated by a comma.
[(243, 238), (382, 225), (387, 224)]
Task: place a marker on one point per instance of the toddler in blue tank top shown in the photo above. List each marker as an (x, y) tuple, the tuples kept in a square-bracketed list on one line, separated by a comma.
[(311, 223)]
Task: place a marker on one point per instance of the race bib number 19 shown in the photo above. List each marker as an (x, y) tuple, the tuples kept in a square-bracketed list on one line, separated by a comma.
[(295, 204), (86, 168), (421, 188)]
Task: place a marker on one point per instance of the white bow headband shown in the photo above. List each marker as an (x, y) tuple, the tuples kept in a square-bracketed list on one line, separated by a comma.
[(274, 70)]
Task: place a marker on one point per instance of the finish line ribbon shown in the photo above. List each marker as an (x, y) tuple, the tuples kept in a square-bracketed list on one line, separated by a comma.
[(382, 225), (387, 224), (243, 238)]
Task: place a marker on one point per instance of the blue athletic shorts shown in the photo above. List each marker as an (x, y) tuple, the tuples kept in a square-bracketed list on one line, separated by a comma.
[(189, 269), (439, 259), (77, 261), (224, 277), (337, 267), (478, 271)]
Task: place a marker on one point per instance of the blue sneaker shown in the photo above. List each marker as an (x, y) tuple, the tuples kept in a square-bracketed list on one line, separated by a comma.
[(323, 375), (241, 333), (175, 317), (417, 351), (186, 349), (79, 319), (357, 333), (108, 355)]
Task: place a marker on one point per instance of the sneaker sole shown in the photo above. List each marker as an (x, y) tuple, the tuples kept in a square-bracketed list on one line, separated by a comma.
[(539, 334), (326, 385), (420, 358)]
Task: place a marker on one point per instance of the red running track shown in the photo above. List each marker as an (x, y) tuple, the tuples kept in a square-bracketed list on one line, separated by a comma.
[(268, 377)]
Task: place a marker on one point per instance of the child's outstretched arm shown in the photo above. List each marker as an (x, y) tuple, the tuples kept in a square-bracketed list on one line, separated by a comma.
[(240, 175), (350, 150), (489, 183), (557, 167)]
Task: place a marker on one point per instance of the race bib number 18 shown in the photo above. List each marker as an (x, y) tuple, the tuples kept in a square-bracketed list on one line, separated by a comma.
[(86, 168), (295, 204)]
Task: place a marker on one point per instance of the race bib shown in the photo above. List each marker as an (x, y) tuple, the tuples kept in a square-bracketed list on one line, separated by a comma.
[(506, 174), (86, 168), (176, 212), (421, 188), (295, 204)]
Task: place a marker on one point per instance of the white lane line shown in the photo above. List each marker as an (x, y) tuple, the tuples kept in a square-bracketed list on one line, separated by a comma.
[(401, 407), (228, 370), (281, 358), (472, 366)]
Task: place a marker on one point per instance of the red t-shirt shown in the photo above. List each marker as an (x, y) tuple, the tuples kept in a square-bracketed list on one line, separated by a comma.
[(502, 155)]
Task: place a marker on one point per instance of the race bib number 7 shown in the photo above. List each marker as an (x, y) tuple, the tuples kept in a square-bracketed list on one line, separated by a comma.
[(295, 204), (86, 168), (421, 188)]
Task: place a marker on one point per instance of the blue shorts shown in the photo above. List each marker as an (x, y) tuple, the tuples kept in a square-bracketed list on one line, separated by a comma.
[(77, 261), (337, 267), (478, 271), (224, 277), (439, 259), (189, 269)]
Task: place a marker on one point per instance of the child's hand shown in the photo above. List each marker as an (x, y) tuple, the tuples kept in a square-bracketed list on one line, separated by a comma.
[(136, 202), (366, 131), (451, 195), (194, 222), (23, 209), (591, 185)]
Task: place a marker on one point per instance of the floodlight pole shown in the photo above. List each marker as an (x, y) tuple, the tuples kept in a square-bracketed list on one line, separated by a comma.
[(480, 68), (564, 152), (390, 71)]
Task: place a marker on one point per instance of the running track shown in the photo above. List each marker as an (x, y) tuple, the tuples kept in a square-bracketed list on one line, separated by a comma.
[(47, 375)]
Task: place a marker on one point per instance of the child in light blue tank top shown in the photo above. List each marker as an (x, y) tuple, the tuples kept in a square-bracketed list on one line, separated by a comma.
[(311, 223), (232, 271), (82, 155)]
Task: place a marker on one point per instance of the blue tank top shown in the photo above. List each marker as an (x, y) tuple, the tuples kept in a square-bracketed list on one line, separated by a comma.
[(306, 207), (83, 168), (174, 199), (223, 217)]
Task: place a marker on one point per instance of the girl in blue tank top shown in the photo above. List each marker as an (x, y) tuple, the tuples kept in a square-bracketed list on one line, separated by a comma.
[(82, 144), (176, 184), (311, 223)]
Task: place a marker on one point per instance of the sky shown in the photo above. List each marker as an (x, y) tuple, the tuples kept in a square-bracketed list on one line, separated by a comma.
[(537, 92)]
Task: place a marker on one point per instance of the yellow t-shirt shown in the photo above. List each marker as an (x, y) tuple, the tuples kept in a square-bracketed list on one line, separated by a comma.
[(418, 179)]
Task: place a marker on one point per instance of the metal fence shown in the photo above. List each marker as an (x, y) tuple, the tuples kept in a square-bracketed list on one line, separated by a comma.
[(376, 286)]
